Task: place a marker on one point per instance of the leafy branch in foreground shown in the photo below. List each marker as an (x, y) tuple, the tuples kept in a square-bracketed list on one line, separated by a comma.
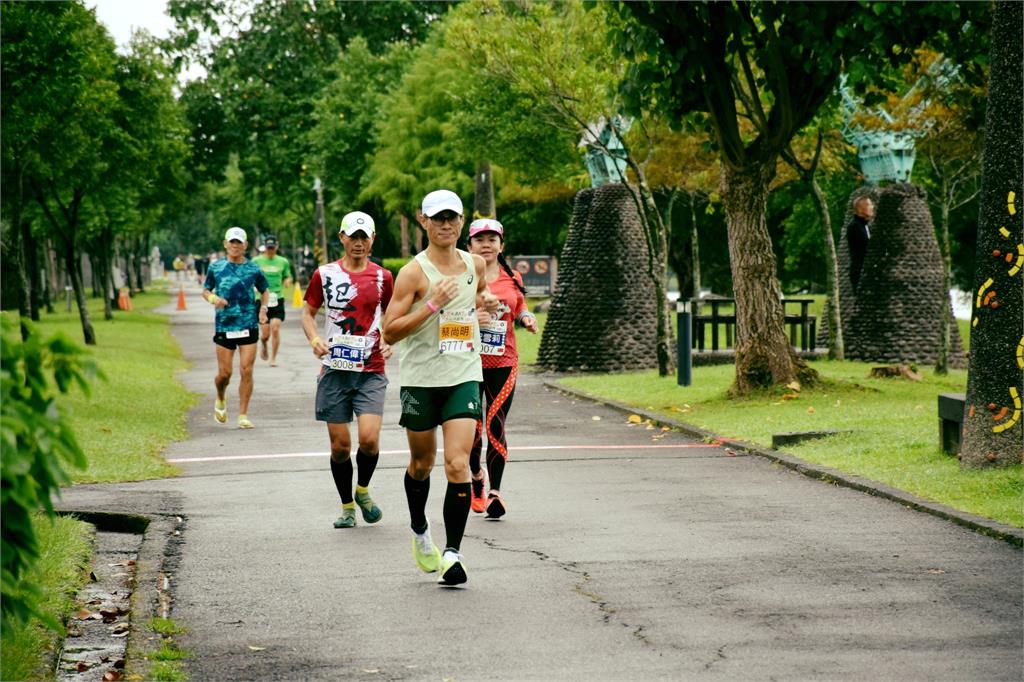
[(38, 445)]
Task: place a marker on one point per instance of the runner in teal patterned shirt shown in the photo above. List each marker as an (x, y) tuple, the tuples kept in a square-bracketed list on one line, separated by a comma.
[(229, 288)]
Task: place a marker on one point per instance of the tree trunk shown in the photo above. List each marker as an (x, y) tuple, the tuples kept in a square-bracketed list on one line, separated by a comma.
[(942, 353), (50, 264), (403, 225), (75, 273), (993, 427), (483, 197), (764, 356), (694, 245), (31, 252), (18, 257), (139, 257), (836, 349)]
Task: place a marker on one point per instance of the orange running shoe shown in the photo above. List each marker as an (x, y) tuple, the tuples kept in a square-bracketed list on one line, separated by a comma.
[(495, 505), (477, 502)]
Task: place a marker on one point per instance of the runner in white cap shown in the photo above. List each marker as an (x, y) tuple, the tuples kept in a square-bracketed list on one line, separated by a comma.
[(356, 292), (229, 288), (433, 315)]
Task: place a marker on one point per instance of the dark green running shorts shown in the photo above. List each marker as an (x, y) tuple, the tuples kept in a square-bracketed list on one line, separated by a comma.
[(425, 408)]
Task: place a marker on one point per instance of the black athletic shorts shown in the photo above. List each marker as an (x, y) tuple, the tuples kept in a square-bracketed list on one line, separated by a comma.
[(277, 312), (232, 340)]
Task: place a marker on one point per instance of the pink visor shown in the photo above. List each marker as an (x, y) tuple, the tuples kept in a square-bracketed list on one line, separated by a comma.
[(486, 225)]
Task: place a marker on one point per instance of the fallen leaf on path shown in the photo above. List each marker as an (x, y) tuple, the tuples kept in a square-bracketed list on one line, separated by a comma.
[(811, 410), (112, 676), (666, 428), (793, 385), (789, 396), (86, 614), (595, 418), (634, 419), (936, 571), (257, 648), (82, 666), (371, 670)]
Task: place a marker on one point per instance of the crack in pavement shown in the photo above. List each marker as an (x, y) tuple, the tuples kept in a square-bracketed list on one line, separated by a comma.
[(719, 656), (580, 588)]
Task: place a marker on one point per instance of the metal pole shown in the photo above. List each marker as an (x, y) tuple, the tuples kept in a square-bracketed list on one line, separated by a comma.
[(684, 357), (321, 228)]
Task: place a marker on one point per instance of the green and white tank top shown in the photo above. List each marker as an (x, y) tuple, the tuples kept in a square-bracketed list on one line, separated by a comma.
[(445, 349)]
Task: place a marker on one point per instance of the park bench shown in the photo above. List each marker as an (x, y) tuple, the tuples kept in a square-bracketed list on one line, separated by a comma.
[(951, 421), (802, 325)]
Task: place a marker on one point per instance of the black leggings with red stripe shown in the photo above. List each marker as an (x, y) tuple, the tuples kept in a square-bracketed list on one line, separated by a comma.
[(496, 392)]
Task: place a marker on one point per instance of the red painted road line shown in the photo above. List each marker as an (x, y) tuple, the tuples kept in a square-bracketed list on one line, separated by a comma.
[(294, 455)]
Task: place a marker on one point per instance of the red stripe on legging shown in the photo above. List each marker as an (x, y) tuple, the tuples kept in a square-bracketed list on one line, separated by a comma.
[(492, 411)]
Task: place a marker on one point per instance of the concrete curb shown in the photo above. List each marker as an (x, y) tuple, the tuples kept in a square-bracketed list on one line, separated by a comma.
[(157, 561), (979, 524)]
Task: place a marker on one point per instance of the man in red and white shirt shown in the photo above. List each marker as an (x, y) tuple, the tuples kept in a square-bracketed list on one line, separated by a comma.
[(352, 351)]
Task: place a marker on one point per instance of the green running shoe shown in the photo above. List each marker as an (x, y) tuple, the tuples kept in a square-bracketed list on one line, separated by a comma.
[(452, 570), (371, 512), (426, 553), (347, 518)]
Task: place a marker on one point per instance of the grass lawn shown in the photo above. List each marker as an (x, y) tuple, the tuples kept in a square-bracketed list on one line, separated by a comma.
[(140, 407), (894, 427), (64, 547)]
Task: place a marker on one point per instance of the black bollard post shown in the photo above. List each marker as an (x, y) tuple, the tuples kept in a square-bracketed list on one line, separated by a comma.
[(684, 346)]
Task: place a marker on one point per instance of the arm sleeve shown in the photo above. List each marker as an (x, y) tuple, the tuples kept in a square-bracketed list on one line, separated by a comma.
[(315, 290)]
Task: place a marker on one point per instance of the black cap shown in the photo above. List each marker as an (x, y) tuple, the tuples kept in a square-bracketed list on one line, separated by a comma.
[(270, 242)]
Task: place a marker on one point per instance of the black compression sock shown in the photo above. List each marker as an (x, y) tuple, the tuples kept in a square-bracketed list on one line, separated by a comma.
[(342, 472), (366, 464), (456, 511), (416, 495), (495, 469)]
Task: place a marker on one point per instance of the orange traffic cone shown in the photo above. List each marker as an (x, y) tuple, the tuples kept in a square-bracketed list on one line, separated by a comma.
[(181, 297), (124, 300)]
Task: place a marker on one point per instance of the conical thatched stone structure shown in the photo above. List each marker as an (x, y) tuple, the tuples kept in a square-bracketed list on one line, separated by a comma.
[(895, 314), (603, 316)]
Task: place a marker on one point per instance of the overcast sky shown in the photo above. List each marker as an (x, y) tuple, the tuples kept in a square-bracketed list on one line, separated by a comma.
[(121, 17)]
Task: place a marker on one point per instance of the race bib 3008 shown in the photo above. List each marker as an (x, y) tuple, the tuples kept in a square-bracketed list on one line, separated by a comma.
[(347, 352)]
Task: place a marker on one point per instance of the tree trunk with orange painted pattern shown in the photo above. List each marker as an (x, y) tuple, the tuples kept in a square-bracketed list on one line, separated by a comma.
[(993, 430)]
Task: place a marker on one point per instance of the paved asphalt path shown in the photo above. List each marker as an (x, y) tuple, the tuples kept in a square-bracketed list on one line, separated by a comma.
[(627, 554)]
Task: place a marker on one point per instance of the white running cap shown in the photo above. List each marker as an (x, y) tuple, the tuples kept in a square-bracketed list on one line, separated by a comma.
[(441, 200), (235, 233), (354, 222)]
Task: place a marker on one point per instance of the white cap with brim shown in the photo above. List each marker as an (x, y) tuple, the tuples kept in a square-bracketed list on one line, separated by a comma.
[(441, 200), (356, 221), (235, 233)]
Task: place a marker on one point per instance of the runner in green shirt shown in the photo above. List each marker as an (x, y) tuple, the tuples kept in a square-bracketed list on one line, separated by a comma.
[(278, 272)]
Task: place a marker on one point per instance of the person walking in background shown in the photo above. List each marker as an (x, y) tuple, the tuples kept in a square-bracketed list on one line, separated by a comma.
[(858, 235), (352, 354), (278, 272), (433, 315), (229, 288), (500, 362)]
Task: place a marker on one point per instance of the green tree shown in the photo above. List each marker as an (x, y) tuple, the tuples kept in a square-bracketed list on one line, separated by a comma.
[(547, 56), (58, 83), (773, 65)]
